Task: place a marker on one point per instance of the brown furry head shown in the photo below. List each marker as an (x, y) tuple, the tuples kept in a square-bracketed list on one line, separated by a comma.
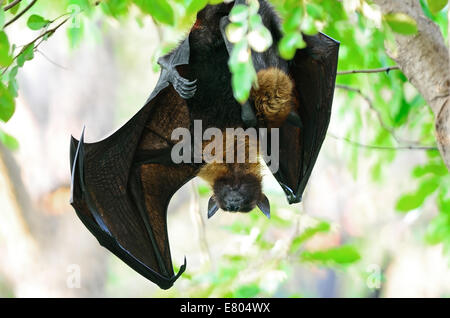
[(236, 186), (274, 97), (237, 193)]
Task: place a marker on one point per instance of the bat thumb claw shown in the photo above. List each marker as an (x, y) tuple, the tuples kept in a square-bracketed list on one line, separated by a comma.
[(248, 115), (294, 120), (212, 207), (264, 206)]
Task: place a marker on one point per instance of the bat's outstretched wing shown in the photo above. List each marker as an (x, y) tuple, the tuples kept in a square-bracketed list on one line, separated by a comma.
[(121, 186), (313, 70)]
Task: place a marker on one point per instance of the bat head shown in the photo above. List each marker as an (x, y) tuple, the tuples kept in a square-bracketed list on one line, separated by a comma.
[(241, 194), (237, 194)]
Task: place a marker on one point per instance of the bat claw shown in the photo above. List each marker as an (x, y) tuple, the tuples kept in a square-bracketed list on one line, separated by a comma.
[(185, 88), (294, 120), (248, 116), (212, 207)]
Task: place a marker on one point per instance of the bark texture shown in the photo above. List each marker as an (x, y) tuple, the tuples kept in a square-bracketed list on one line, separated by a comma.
[(424, 58)]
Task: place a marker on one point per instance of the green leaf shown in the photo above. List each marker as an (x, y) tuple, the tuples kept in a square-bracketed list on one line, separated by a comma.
[(238, 228), (204, 190), (438, 230), (236, 32), (13, 87), (195, 6), (36, 22), (308, 26), (322, 227), (115, 8), (260, 39), (342, 255), (13, 73), (436, 5), (9, 141), (431, 168), (27, 54), (413, 201), (5, 58), (293, 21), (401, 23), (83, 5), (247, 291), (315, 11), (239, 13), (256, 22), (2, 18), (75, 32), (14, 9), (244, 75), (159, 9), (7, 103), (289, 45), (444, 200)]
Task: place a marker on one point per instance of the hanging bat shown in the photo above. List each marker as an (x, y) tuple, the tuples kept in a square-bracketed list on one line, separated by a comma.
[(121, 186)]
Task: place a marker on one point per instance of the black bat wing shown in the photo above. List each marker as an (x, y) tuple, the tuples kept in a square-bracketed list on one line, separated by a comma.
[(121, 186), (313, 70)]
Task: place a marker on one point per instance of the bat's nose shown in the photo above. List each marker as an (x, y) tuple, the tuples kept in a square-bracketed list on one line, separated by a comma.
[(233, 201), (231, 207)]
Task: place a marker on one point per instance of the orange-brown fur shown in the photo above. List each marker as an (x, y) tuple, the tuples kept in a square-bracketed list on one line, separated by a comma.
[(215, 170), (273, 98)]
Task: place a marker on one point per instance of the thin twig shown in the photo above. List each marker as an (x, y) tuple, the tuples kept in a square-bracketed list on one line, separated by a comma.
[(372, 147), (51, 61), (370, 71), (41, 36), (21, 13), (11, 5), (199, 224)]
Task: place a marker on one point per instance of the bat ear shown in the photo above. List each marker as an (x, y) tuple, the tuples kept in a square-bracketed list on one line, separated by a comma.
[(264, 206), (212, 207)]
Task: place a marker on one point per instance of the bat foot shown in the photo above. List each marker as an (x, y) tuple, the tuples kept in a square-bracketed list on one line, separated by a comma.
[(185, 88)]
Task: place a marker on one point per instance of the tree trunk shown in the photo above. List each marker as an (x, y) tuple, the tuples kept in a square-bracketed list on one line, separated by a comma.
[(424, 58)]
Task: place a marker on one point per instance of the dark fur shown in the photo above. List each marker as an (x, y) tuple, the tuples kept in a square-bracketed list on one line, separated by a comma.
[(237, 187), (214, 103)]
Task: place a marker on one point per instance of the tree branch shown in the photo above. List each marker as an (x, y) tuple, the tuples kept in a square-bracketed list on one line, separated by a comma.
[(425, 60), (372, 147), (370, 71), (377, 113), (41, 36), (11, 5), (21, 13)]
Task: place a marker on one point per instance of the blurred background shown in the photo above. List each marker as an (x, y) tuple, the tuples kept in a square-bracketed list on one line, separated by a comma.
[(374, 222)]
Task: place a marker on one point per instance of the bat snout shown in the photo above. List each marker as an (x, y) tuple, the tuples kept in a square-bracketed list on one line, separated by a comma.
[(237, 193), (233, 201)]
